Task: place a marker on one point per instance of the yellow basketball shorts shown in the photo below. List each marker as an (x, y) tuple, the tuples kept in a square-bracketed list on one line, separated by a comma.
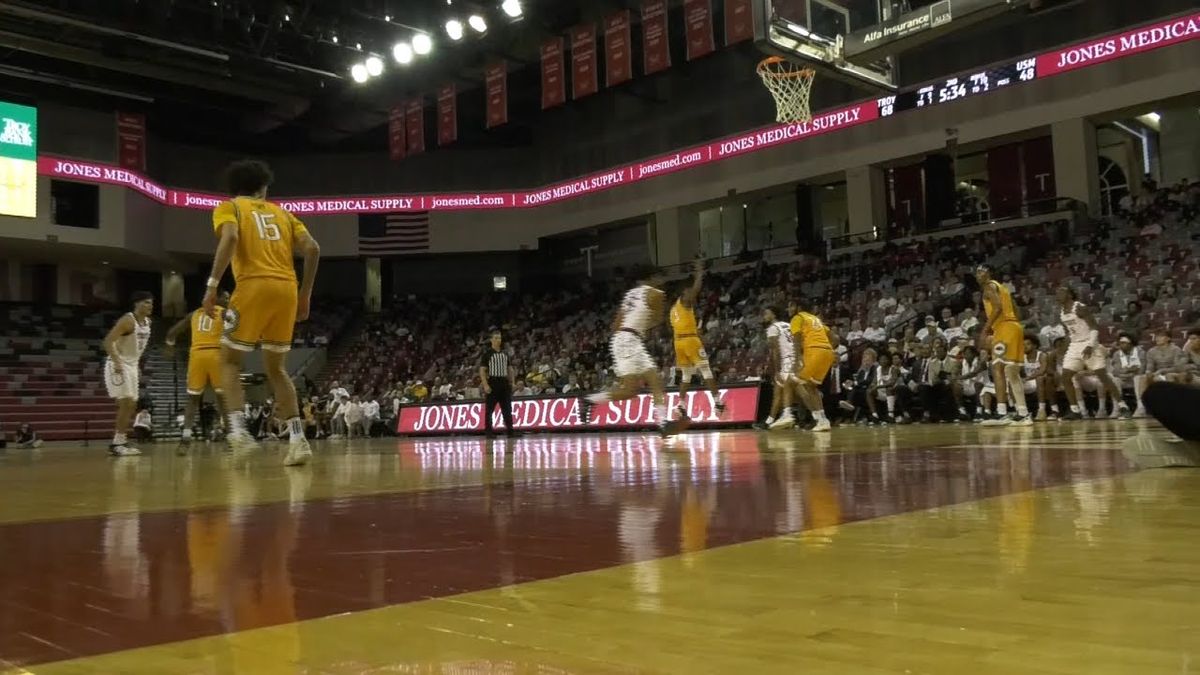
[(261, 311), (204, 370)]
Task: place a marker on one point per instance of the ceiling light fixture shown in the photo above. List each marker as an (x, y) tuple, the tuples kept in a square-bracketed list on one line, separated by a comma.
[(454, 29), (477, 23), (335, 39), (387, 17), (403, 53), (374, 66), (358, 72), (512, 8), (422, 44), (287, 17), (358, 46)]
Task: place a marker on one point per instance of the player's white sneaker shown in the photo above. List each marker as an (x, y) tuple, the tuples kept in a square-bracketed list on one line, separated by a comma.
[(242, 444), (123, 450), (998, 421), (1140, 413), (822, 425), (785, 421), (1021, 421), (299, 453)]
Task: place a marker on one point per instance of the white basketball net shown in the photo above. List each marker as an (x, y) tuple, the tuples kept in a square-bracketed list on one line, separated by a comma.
[(790, 85)]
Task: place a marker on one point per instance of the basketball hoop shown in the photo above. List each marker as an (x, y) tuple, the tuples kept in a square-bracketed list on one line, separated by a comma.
[(790, 85)]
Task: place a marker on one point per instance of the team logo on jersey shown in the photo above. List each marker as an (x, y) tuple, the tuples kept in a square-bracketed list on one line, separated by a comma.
[(230, 318), (999, 349)]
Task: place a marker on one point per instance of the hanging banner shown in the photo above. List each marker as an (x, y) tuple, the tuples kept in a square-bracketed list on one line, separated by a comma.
[(131, 141), (396, 136), (554, 86), (447, 107), (496, 78), (618, 61), (656, 52), (697, 18), (583, 61), (739, 21), (414, 123)]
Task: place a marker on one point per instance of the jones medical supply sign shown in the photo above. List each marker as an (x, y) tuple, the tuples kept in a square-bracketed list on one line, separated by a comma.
[(18, 160)]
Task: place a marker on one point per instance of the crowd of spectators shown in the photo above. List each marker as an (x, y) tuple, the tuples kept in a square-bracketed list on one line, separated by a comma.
[(903, 299)]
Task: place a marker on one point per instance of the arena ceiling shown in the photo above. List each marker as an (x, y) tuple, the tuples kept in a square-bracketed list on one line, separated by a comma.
[(274, 75)]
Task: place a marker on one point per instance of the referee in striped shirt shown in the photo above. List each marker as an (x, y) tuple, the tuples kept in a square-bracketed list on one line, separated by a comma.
[(497, 380)]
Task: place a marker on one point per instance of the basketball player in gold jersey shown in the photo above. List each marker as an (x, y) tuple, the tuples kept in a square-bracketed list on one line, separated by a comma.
[(204, 358), (689, 349), (815, 356), (260, 239), (1007, 336)]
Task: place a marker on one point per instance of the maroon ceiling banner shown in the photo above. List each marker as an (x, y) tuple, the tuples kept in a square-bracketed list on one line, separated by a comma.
[(697, 17), (739, 21), (131, 141), (1039, 169), (396, 136), (496, 77), (656, 52), (447, 109), (554, 85), (618, 61), (414, 121), (583, 61)]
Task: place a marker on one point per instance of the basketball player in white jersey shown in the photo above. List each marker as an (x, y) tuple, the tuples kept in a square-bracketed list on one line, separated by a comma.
[(1084, 354), (124, 345), (783, 369), (641, 309)]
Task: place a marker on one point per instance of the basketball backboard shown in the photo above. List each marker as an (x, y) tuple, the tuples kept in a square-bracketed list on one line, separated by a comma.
[(814, 30)]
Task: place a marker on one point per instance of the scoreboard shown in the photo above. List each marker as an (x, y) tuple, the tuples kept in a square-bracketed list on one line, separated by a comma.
[(960, 87), (18, 160)]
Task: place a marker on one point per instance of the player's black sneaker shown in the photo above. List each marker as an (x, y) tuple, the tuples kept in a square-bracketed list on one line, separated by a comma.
[(720, 407), (585, 411), (667, 429), (681, 412), (1071, 416)]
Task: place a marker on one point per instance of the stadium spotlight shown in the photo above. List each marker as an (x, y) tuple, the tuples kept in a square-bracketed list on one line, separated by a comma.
[(403, 53), (454, 29), (477, 23), (374, 66), (512, 8), (422, 44), (358, 72)]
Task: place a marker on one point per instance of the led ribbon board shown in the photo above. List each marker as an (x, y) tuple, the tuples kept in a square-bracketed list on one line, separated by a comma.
[(975, 83), (18, 160)]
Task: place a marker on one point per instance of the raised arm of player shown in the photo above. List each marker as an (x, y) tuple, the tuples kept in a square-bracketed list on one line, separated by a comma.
[(311, 251), (174, 332), (225, 248), (692, 292), (654, 299), (123, 327)]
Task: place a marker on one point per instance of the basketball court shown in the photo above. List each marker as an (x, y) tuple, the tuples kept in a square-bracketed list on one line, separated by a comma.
[(944, 548)]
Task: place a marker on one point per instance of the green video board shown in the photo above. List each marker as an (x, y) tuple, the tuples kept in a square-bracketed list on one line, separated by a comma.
[(18, 160)]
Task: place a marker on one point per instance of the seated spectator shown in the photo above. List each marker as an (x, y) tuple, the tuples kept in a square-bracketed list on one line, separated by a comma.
[(1165, 361), (1191, 352), (27, 438), (354, 417), (1135, 322), (930, 332), (1128, 368), (371, 417)]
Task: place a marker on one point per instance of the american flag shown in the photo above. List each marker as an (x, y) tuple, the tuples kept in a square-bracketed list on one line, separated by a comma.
[(393, 233)]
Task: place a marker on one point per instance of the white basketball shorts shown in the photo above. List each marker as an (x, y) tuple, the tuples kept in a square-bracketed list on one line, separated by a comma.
[(629, 354), (1074, 361), (120, 380)]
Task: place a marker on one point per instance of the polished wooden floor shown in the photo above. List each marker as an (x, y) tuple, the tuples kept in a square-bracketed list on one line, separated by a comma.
[(924, 549)]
